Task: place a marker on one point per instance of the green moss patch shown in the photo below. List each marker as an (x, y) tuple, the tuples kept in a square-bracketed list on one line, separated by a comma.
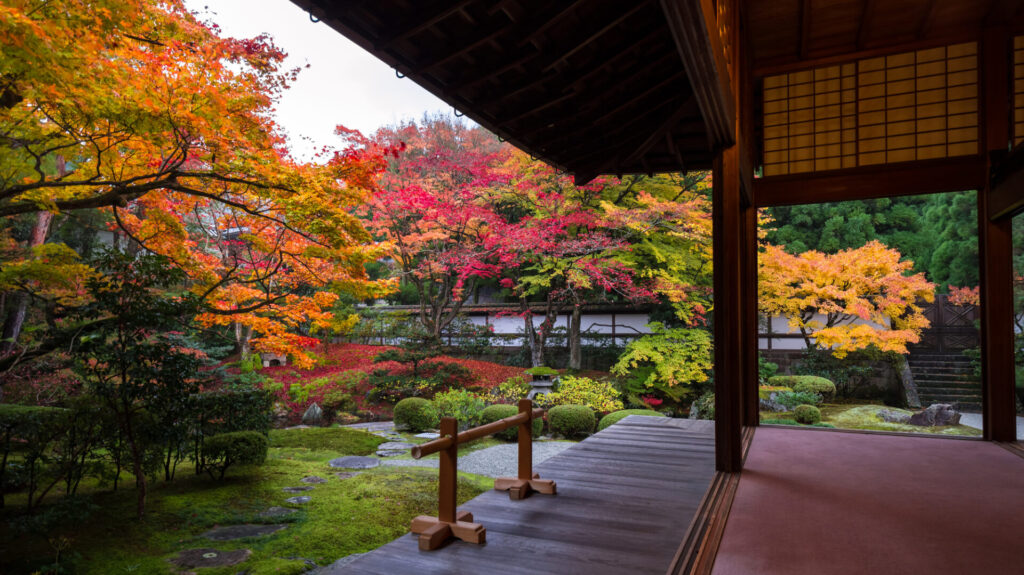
[(866, 417), (332, 439)]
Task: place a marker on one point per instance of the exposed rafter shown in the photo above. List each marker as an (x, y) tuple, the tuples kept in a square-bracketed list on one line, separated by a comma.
[(413, 25)]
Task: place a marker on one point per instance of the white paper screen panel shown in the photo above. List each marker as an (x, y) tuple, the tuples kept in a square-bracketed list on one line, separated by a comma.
[(903, 107)]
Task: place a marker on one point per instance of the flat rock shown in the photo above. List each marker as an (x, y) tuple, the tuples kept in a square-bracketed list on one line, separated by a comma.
[(893, 416), (936, 414), (428, 435), (206, 557), (394, 445), (229, 532), (313, 479), (392, 452), (372, 425), (299, 499), (275, 512), (354, 462), (346, 474), (297, 489)]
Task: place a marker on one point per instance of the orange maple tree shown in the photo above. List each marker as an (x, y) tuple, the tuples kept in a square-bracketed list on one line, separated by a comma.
[(168, 125), (847, 301)]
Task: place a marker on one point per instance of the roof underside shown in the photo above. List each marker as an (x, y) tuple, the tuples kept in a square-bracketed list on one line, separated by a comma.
[(590, 86), (598, 86)]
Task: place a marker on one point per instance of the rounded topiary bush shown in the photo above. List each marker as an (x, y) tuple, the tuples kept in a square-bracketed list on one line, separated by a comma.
[(237, 447), (571, 420), (500, 411), (807, 414), (615, 416), (806, 383), (415, 414)]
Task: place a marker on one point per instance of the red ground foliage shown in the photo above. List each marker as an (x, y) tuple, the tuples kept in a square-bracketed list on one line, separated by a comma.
[(340, 358)]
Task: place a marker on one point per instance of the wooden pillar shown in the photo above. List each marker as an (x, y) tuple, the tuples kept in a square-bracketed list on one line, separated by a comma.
[(997, 361), (727, 227), (525, 438), (447, 488), (751, 412), (995, 250)]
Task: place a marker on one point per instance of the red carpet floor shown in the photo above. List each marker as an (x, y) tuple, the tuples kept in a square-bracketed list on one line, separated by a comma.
[(829, 503)]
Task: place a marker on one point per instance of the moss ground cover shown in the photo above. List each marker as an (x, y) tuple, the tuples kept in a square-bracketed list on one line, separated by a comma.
[(345, 515), (865, 417)]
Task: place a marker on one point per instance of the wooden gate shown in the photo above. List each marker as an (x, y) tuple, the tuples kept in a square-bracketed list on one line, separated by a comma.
[(953, 327)]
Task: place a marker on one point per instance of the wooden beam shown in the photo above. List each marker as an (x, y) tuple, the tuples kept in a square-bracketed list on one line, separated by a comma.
[(751, 337), (865, 183), (995, 76), (995, 247), (862, 26), (420, 22), (694, 27), (805, 28), (1006, 196), (927, 17)]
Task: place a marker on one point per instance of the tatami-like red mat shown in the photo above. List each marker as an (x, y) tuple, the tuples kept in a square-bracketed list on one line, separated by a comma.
[(829, 503)]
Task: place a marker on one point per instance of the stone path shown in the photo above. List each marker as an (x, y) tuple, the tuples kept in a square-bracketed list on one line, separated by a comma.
[(974, 420), (206, 557), (230, 532), (354, 462), (497, 461)]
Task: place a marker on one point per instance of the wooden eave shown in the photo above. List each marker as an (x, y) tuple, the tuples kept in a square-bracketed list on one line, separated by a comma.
[(589, 86)]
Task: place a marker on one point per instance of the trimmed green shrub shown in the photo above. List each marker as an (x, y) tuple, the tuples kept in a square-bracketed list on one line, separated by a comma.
[(237, 447), (766, 391), (616, 416), (791, 399), (465, 406), (807, 414), (500, 411), (512, 389), (705, 406), (415, 414), (779, 421), (600, 396), (807, 383), (571, 420)]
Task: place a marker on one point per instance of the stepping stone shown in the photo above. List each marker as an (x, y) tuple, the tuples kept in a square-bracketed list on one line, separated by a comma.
[(275, 512), (206, 557), (395, 446), (428, 435), (229, 532), (347, 474), (299, 499), (297, 489), (392, 452), (354, 462), (313, 479)]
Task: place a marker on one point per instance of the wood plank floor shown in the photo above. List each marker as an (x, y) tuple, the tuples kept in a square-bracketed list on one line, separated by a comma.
[(626, 496)]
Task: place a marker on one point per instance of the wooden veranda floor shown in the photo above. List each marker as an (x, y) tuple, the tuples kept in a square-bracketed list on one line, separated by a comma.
[(626, 496)]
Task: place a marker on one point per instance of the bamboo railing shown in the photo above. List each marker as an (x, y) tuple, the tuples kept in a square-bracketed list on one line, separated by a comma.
[(434, 531)]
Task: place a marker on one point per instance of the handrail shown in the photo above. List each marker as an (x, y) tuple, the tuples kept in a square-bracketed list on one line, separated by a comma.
[(434, 531)]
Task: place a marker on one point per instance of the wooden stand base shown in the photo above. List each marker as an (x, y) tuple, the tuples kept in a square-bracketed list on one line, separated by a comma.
[(521, 488), (433, 532)]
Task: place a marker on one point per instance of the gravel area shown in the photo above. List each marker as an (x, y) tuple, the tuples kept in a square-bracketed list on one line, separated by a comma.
[(497, 461), (974, 420)]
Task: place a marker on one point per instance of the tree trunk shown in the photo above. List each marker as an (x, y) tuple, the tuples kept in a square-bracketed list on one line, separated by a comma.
[(16, 315), (243, 334), (575, 351), (534, 340), (140, 474)]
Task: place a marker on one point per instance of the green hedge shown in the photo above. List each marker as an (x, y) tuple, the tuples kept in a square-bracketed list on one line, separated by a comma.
[(806, 383), (237, 447), (571, 420), (807, 414), (415, 414), (500, 411), (615, 416)]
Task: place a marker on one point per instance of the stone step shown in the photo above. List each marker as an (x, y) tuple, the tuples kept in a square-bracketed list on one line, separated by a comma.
[(944, 383), (944, 377), (951, 391)]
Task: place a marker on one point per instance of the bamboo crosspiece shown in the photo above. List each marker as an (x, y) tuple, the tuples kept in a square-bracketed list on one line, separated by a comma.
[(434, 531)]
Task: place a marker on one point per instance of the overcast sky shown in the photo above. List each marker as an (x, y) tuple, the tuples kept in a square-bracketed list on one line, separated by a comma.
[(343, 85)]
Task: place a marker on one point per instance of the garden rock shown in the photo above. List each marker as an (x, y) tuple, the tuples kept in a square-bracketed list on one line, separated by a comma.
[(275, 512), (299, 499), (354, 462), (393, 448), (206, 557), (230, 532), (428, 435), (891, 416), (313, 479), (770, 404), (936, 414), (346, 474), (297, 489), (313, 416)]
